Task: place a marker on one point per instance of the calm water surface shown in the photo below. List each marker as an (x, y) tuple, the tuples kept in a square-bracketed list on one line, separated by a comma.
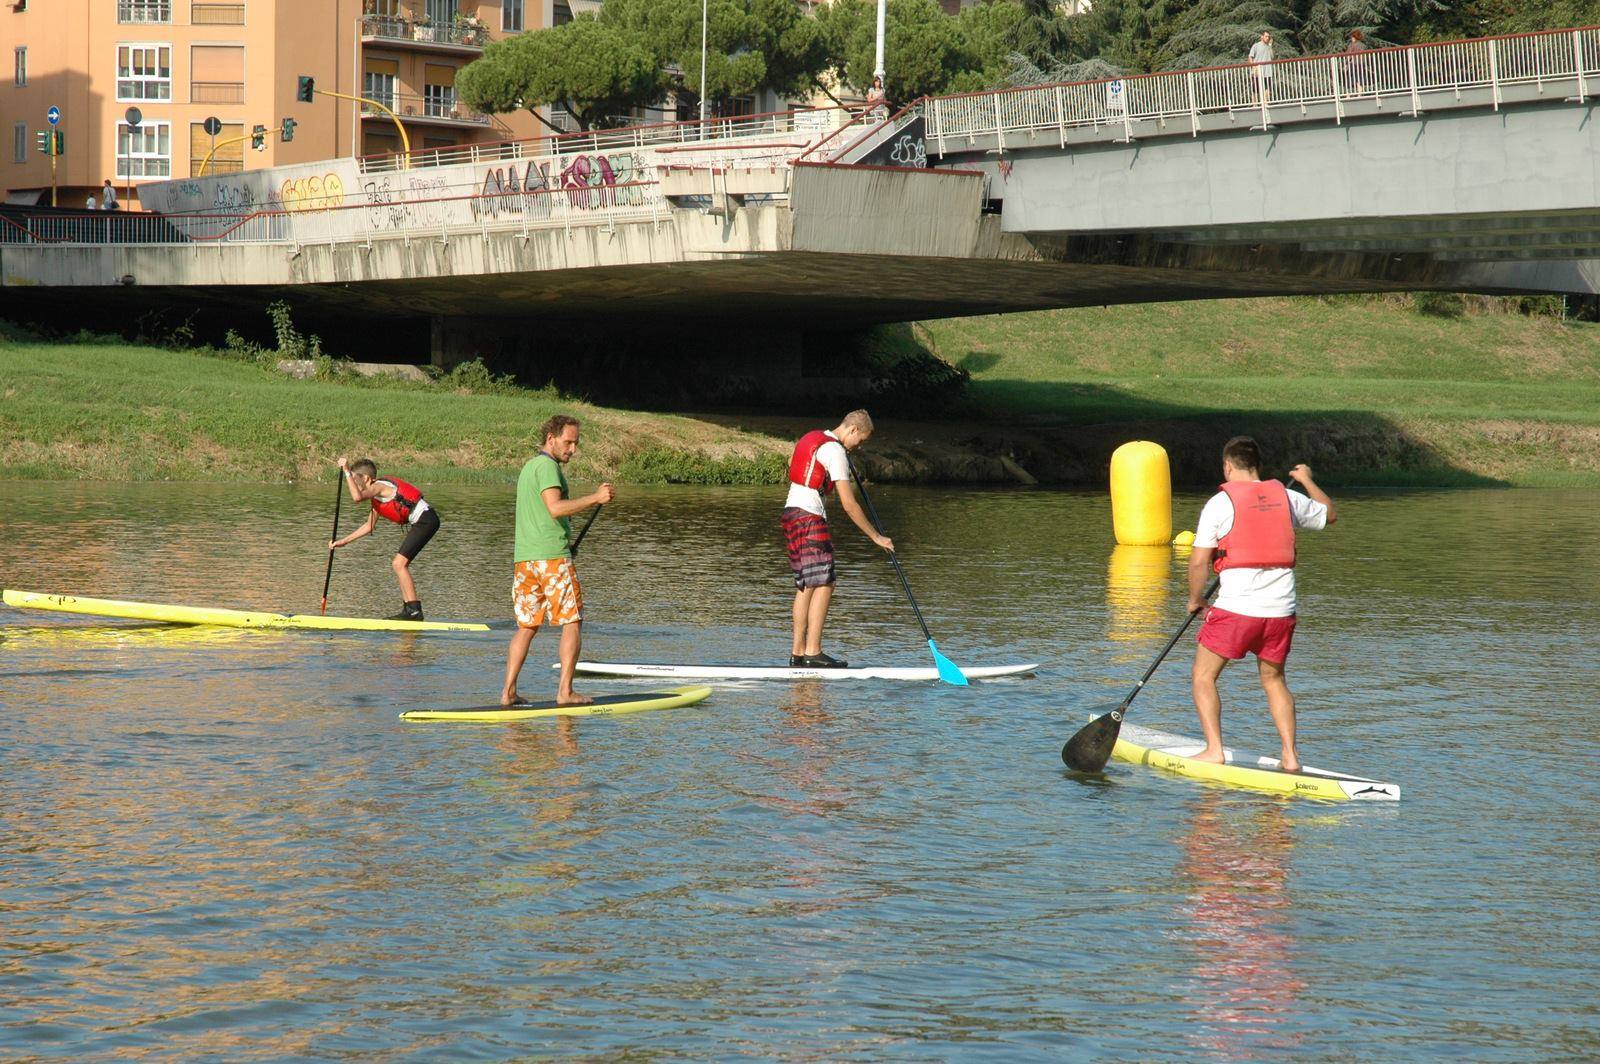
[(223, 844)]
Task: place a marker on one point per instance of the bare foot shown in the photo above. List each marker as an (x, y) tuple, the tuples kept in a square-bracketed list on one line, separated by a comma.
[(509, 698), (1289, 762), (573, 698), (1210, 756)]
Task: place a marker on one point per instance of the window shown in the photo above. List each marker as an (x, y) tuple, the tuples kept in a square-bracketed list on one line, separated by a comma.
[(19, 143), (146, 151), (226, 159), (144, 72), (511, 16), (144, 10), (22, 65), (378, 83), (216, 74), (560, 13), (441, 12), (439, 91)]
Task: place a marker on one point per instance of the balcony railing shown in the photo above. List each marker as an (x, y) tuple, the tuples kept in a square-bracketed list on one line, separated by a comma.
[(409, 105), (144, 10), (401, 28), (216, 92), (202, 14)]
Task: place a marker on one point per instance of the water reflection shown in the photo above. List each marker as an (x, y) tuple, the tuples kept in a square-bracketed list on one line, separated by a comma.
[(1139, 583), (1234, 869)]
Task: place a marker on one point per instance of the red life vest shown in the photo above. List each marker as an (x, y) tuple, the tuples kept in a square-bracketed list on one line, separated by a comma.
[(398, 509), (1262, 536), (804, 469)]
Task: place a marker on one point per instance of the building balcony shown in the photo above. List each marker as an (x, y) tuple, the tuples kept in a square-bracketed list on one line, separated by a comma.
[(460, 36), (210, 14), (144, 11), (428, 110)]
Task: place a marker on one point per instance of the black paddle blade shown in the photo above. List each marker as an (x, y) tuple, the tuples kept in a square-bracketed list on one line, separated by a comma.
[(1090, 749)]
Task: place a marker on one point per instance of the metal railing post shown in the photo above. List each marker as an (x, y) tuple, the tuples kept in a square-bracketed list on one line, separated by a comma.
[(1061, 115), (1194, 110), (1577, 65), (1127, 111), (1338, 92), (938, 124), (1494, 74), (999, 130), (1411, 72)]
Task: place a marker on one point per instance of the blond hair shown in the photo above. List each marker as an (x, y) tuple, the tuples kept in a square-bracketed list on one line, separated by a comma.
[(859, 420)]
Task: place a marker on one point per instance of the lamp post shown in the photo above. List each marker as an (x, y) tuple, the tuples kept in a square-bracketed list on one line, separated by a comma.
[(877, 67), (704, 9)]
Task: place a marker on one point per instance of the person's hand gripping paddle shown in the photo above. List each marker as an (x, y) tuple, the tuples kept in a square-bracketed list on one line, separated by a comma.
[(948, 671), (338, 500), (1090, 748)]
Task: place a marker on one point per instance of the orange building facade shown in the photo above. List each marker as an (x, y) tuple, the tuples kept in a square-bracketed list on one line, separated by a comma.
[(182, 63)]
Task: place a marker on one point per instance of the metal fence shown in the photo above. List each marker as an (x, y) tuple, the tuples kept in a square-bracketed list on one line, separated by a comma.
[(1384, 77)]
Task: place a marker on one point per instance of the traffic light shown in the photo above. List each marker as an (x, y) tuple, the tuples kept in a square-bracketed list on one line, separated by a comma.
[(307, 89), (44, 138), (258, 138), (287, 132), (51, 142), (61, 143)]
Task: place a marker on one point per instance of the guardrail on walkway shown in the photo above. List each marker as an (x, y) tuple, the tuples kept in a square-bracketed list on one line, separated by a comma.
[(1381, 76)]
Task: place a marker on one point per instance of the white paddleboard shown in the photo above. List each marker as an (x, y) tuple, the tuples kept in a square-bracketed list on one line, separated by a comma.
[(784, 672)]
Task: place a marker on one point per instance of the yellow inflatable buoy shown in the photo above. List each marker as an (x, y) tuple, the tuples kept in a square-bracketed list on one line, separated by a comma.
[(1141, 494), (1183, 539)]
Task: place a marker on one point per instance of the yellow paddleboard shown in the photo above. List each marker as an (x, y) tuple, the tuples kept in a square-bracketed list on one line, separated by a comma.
[(1171, 753), (605, 706), (154, 611)]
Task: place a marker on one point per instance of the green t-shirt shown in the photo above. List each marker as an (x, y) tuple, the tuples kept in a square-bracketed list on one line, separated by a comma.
[(540, 537)]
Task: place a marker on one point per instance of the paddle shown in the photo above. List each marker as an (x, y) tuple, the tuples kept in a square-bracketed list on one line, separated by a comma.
[(1090, 749), (948, 671), (584, 531), (338, 500)]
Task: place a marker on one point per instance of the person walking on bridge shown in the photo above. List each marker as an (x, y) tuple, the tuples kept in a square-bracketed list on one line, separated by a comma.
[(1261, 64), (820, 464), (544, 583), (1246, 533)]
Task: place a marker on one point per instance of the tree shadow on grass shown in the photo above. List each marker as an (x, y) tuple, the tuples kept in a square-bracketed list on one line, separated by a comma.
[(1090, 421)]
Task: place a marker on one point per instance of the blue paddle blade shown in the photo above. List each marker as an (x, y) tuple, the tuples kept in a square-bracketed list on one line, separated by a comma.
[(948, 672)]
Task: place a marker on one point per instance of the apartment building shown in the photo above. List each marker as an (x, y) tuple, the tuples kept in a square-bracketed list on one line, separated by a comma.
[(200, 74)]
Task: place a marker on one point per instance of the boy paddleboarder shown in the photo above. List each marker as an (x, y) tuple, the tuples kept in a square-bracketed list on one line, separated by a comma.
[(394, 500)]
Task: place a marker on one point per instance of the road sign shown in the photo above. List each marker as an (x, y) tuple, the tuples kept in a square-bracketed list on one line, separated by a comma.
[(213, 126), (54, 115), (134, 116), (1116, 98)]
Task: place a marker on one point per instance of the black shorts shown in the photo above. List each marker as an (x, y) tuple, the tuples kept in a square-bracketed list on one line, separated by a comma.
[(419, 533)]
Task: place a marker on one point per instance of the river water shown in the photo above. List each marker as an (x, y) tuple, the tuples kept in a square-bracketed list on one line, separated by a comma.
[(220, 844)]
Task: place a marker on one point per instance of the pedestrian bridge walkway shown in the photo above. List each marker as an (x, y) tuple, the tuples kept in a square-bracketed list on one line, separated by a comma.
[(1463, 165)]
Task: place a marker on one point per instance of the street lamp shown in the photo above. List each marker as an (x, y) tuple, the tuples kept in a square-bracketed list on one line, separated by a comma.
[(878, 66), (704, 6)]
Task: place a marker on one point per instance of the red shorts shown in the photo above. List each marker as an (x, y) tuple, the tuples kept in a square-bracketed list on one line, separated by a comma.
[(1233, 635)]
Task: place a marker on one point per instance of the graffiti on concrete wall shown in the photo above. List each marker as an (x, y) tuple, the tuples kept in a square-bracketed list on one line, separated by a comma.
[(314, 193), (592, 182), (584, 182)]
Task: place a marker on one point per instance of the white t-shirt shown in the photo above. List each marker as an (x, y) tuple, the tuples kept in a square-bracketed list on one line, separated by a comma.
[(1255, 592), (1261, 53), (831, 457)]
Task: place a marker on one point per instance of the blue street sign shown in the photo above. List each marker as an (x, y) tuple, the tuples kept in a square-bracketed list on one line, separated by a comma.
[(54, 115)]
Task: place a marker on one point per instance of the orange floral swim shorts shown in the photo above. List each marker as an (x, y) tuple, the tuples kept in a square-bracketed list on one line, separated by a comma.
[(546, 587)]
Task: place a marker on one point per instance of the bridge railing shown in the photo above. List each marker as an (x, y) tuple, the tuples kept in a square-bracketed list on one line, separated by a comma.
[(1381, 76), (812, 122)]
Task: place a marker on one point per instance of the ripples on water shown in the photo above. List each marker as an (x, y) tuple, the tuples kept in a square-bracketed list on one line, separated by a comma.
[(221, 843)]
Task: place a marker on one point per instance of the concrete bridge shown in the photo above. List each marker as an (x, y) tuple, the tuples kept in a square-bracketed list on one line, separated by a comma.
[(1468, 165)]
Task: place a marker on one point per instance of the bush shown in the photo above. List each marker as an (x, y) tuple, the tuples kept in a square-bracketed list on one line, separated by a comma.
[(1440, 304), (660, 465)]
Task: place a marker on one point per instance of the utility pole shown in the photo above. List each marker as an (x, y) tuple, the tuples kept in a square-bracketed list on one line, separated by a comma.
[(878, 65), (704, 9)]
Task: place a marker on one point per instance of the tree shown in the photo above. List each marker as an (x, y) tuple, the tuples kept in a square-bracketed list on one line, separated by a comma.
[(1217, 32), (751, 46), (592, 70), (924, 52)]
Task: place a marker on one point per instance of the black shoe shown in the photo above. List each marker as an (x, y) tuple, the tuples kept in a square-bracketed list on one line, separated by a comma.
[(797, 661), (411, 612), (822, 661)]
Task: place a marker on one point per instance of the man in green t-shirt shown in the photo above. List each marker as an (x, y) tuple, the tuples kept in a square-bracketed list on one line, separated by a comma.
[(544, 582)]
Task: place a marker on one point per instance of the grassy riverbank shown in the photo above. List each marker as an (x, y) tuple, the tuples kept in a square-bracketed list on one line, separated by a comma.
[(1371, 391), (1395, 395)]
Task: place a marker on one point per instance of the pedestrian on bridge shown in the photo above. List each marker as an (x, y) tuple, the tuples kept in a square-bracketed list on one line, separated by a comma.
[(1355, 64), (1261, 60), (877, 100), (108, 196)]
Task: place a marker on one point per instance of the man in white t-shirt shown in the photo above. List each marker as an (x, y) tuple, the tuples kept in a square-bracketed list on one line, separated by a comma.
[(1261, 63), (820, 464), (1246, 534)]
